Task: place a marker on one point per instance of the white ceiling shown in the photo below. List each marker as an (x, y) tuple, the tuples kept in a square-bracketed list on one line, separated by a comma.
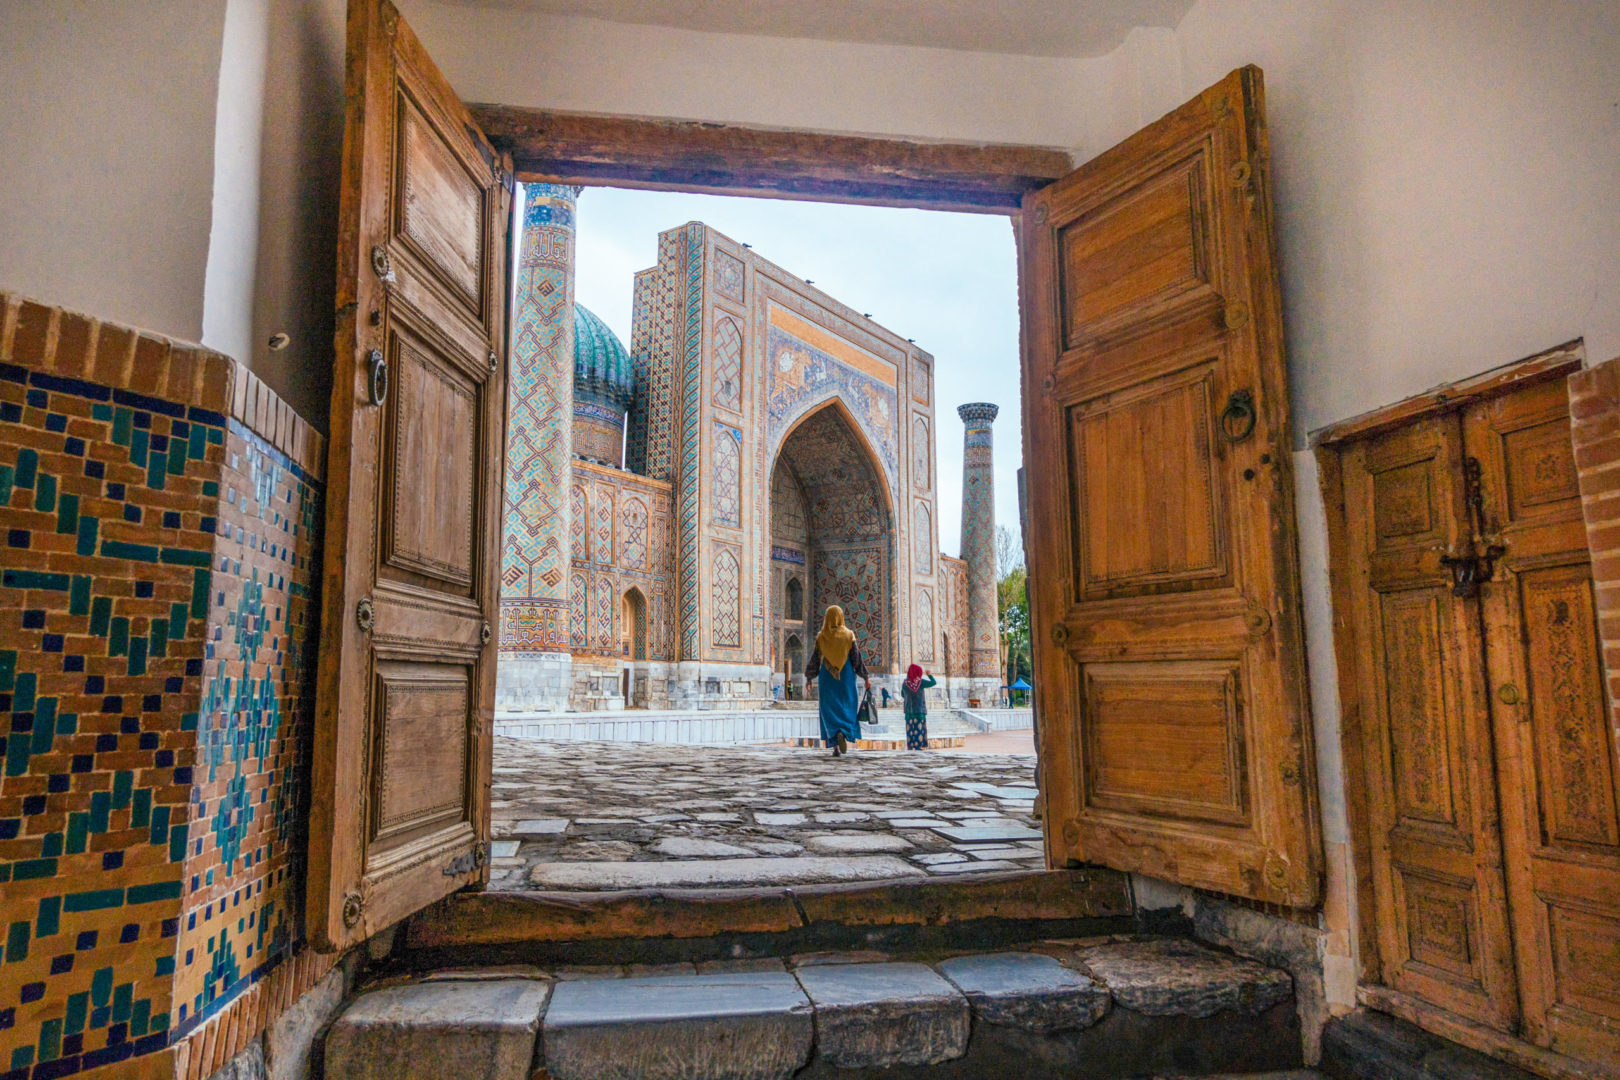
[(1072, 28)]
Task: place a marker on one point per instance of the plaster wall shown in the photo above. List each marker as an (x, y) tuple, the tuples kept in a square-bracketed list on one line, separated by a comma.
[(106, 182)]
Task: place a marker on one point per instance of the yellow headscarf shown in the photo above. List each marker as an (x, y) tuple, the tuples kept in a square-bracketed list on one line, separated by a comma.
[(835, 641)]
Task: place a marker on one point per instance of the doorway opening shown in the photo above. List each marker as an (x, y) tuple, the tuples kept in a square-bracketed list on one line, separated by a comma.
[(748, 449)]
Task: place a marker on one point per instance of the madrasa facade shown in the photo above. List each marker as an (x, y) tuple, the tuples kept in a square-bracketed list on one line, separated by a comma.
[(679, 513)]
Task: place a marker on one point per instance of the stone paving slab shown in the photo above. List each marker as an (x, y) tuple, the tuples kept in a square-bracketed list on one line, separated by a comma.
[(733, 1026), (1179, 978), (876, 1016), (591, 816), (689, 873), (429, 1030), (1027, 991)]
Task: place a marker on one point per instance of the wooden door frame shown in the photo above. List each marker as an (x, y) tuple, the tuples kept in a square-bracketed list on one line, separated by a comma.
[(1329, 444), (591, 149)]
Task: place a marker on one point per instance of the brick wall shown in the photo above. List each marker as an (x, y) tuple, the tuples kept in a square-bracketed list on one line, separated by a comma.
[(1594, 405), (161, 512)]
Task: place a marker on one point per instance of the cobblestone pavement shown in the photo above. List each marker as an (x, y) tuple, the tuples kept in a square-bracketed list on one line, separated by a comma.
[(589, 816)]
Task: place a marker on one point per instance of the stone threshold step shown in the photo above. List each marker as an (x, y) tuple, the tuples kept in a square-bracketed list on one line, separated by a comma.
[(659, 926), (1081, 1009)]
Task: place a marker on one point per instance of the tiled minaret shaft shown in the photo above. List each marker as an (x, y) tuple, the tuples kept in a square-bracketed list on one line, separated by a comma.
[(534, 635), (979, 539)]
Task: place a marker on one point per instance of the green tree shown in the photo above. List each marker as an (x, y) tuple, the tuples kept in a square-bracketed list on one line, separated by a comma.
[(1012, 604)]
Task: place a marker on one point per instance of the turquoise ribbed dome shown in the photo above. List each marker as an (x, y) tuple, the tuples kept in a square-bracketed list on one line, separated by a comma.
[(602, 371)]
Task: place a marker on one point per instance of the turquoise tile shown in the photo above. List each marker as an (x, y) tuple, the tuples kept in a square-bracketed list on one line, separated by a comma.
[(67, 515)]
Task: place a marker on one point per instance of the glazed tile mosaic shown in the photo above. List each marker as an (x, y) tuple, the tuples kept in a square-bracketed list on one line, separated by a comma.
[(155, 610)]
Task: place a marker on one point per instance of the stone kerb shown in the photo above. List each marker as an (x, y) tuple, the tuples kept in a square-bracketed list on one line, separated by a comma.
[(1094, 1008)]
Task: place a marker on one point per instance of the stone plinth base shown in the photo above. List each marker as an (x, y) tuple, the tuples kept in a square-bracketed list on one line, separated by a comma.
[(533, 682)]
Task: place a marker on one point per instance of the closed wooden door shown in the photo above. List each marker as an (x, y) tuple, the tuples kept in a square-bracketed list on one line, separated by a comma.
[(1492, 807), (1560, 804), (1175, 735), (1435, 845), (400, 775)]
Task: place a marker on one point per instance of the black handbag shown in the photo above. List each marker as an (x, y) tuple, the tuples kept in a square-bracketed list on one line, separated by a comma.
[(867, 713)]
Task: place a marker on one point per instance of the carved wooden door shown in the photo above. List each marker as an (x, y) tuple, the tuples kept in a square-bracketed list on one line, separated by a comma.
[(1560, 802), (400, 780), (1432, 822), (1175, 734)]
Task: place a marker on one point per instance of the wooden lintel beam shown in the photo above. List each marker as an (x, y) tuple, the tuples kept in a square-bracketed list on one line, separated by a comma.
[(726, 159)]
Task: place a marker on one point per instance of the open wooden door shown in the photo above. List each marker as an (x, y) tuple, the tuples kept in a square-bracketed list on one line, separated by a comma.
[(1175, 733), (400, 779)]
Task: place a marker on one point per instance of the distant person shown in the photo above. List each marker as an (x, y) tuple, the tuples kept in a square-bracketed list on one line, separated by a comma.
[(916, 706), (836, 658), (885, 692)]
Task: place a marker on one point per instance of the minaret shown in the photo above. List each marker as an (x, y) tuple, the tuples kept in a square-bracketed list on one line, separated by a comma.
[(534, 661), (979, 547)]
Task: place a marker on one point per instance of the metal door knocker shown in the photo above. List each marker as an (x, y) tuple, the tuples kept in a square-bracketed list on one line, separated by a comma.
[(1237, 419), (1474, 564), (379, 377)]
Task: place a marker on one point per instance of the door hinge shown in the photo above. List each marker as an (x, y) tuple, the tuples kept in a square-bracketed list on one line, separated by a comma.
[(469, 861)]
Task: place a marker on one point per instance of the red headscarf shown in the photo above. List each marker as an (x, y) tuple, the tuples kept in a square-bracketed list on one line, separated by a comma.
[(914, 678)]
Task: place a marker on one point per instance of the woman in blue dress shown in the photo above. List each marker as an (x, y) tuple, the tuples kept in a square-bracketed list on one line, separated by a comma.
[(837, 660)]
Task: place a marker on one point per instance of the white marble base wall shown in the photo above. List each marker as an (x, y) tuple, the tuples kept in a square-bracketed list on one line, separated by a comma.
[(680, 728), (1001, 719), (533, 682)]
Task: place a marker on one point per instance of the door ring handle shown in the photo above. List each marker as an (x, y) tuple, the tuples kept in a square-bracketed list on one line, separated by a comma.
[(1237, 419)]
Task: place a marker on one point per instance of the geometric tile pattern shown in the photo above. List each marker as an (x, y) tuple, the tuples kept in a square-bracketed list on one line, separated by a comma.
[(726, 508), (801, 376), (953, 589), (633, 546), (728, 353), (602, 524), (243, 896), (728, 276), (924, 624), (979, 534), (158, 569), (727, 599), (857, 579), (107, 499), (922, 538), (922, 453), (534, 563), (689, 489), (579, 522)]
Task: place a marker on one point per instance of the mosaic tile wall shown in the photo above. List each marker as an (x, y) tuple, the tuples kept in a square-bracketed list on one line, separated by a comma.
[(979, 537), (156, 634), (955, 648), (539, 450), (625, 548)]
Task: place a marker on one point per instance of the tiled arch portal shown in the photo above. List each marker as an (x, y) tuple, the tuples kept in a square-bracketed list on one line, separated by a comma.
[(847, 540)]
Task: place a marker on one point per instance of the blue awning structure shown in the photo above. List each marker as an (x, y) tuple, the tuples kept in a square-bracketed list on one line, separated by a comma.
[(1019, 685)]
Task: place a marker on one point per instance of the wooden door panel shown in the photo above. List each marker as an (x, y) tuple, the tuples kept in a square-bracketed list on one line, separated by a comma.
[(441, 207), (1144, 250), (1163, 566), (1561, 828), (405, 706), (1571, 755), (1149, 514), (420, 786), (430, 522), (1434, 851), (1442, 926), (1166, 739), (1423, 716)]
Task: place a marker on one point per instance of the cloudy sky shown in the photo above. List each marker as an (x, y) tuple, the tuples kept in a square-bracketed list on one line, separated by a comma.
[(948, 280)]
